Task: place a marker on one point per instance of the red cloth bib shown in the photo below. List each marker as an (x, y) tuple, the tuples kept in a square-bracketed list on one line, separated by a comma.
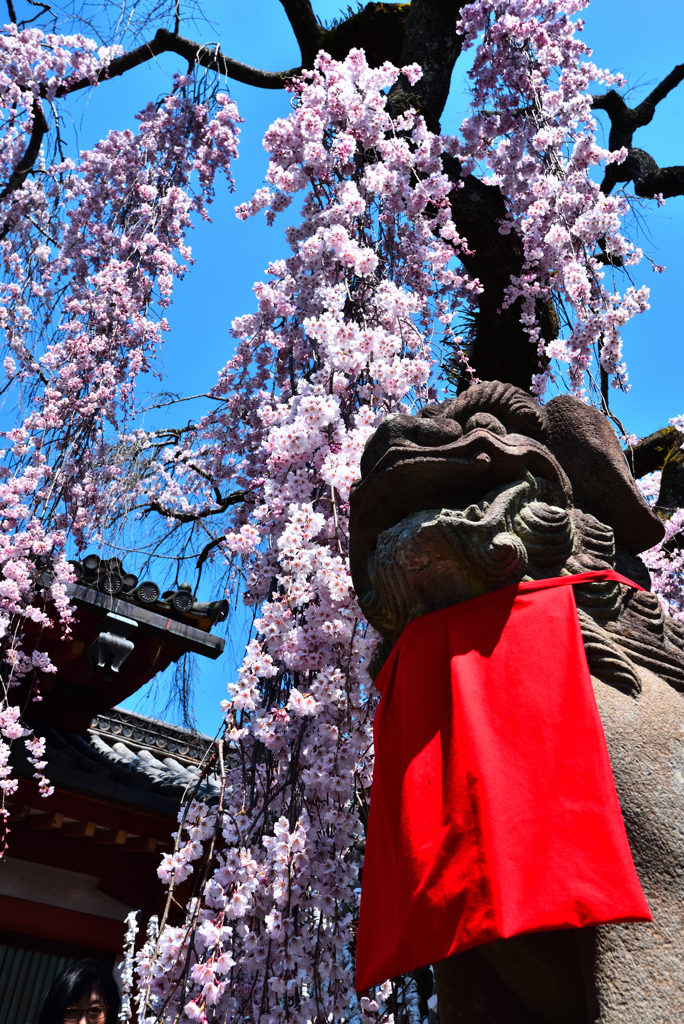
[(493, 807)]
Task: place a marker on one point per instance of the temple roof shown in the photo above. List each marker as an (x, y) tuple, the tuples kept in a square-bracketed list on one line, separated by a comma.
[(124, 633), (109, 577), (130, 760)]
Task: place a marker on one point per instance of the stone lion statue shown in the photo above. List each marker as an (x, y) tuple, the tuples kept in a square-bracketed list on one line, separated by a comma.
[(486, 490)]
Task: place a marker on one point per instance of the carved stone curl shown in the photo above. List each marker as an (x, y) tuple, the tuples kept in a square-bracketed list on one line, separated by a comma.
[(490, 489)]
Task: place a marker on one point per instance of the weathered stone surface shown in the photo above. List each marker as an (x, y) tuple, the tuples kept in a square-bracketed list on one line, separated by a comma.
[(586, 446), (486, 490), (639, 969)]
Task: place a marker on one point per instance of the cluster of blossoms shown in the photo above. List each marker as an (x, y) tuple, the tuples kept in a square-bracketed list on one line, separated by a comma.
[(532, 128), (339, 340), (665, 562), (666, 566), (126, 968), (89, 252)]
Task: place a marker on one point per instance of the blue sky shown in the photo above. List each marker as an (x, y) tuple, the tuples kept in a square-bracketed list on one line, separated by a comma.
[(231, 255)]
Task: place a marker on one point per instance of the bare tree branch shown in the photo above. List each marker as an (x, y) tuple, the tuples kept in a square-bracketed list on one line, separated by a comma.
[(640, 167), (118, 66), (646, 108), (173, 399), (191, 517), (306, 27), (215, 60), (44, 8), (195, 53), (664, 181), (207, 549), (652, 452), (625, 120)]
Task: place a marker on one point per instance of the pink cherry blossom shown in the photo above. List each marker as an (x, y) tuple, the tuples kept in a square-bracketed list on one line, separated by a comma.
[(89, 252)]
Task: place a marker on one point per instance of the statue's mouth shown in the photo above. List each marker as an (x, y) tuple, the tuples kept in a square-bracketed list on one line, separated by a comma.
[(411, 478)]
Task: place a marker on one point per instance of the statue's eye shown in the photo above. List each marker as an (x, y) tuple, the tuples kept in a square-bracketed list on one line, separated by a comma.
[(485, 421)]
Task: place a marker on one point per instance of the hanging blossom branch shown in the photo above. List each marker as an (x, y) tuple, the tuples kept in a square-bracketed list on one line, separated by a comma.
[(89, 255), (38, 68), (49, 67), (127, 967), (665, 561), (532, 127), (340, 339)]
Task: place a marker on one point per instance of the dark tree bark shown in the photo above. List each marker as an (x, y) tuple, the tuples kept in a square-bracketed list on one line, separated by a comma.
[(662, 450), (501, 349), (430, 39), (306, 27), (639, 167), (377, 28)]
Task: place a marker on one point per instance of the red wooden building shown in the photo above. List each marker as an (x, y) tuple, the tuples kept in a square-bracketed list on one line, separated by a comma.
[(80, 860)]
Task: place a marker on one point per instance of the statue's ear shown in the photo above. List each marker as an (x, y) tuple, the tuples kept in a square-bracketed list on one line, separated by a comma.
[(582, 440)]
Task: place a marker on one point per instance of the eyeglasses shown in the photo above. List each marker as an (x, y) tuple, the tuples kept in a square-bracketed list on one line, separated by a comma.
[(94, 1014)]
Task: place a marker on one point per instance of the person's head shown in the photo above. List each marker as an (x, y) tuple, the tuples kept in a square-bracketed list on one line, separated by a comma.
[(84, 993)]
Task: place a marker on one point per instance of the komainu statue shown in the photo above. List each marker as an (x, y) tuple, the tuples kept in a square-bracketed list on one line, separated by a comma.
[(486, 490)]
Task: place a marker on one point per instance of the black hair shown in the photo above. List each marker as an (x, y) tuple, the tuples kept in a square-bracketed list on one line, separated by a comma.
[(76, 981)]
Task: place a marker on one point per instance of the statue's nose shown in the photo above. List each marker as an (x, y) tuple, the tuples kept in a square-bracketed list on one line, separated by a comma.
[(408, 432)]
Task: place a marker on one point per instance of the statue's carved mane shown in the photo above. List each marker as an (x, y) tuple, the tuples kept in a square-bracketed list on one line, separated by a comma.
[(489, 488)]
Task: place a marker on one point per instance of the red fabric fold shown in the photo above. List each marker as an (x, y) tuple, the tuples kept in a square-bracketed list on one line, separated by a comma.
[(493, 807)]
